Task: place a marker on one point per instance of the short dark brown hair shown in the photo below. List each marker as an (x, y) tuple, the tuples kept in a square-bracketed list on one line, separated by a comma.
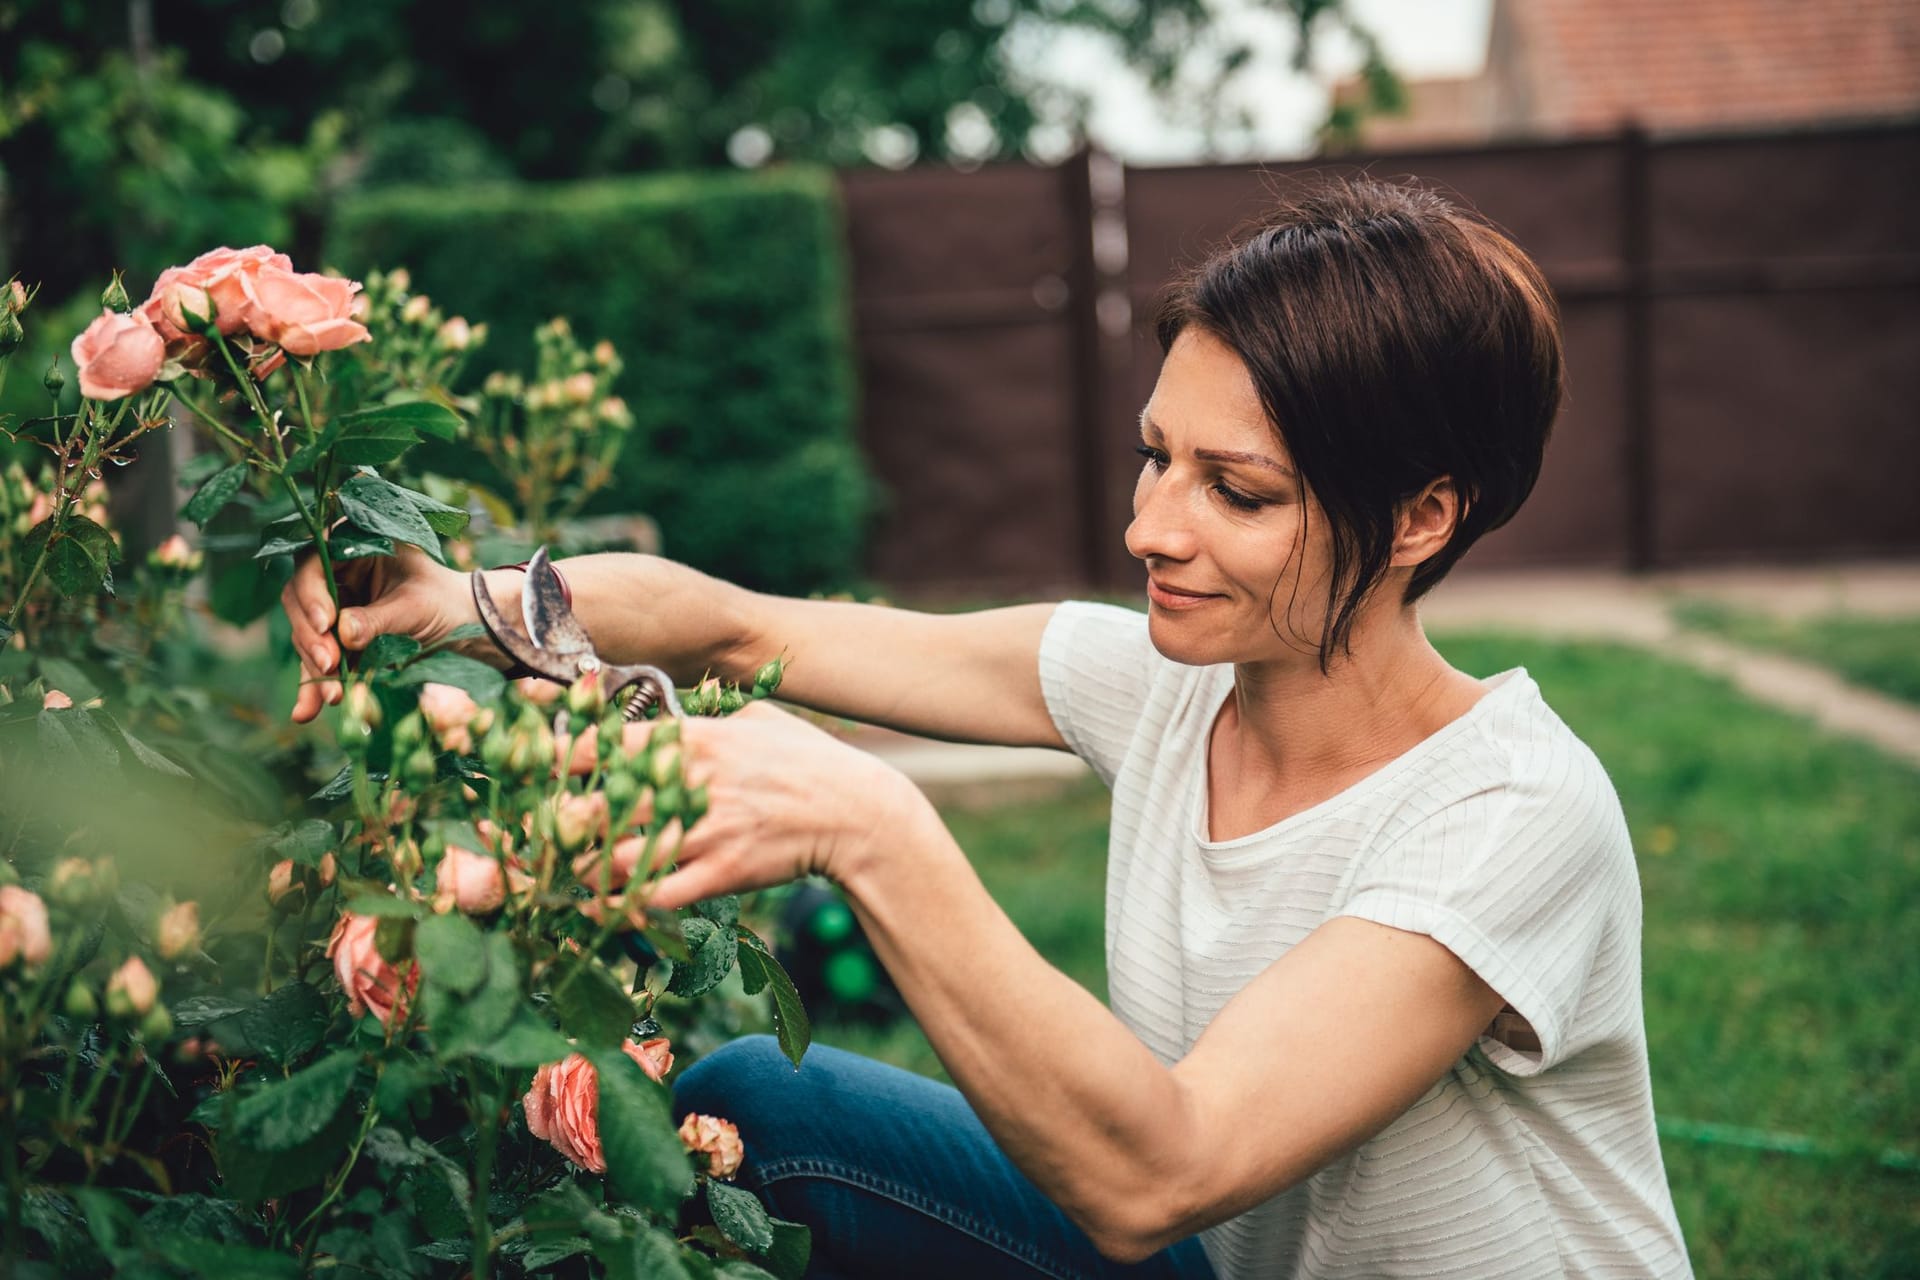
[(1394, 338)]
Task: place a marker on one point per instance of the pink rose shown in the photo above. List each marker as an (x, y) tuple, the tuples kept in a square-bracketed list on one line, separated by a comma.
[(372, 985), (178, 931), (132, 989), (716, 1139), (563, 1106), (176, 553), (54, 700), (541, 693), (473, 882), (218, 278), (451, 714), (24, 932), (303, 313), (118, 355), (283, 882), (42, 508)]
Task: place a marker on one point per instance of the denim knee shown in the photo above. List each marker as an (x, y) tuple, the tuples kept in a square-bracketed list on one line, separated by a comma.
[(728, 1081)]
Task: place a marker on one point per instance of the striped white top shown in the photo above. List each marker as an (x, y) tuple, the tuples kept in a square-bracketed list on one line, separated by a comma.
[(1501, 837)]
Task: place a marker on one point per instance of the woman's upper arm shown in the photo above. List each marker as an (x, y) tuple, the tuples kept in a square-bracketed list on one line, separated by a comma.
[(968, 677), (1323, 1050)]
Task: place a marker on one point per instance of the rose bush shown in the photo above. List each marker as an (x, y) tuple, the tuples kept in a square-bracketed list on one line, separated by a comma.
[(413, 1027)]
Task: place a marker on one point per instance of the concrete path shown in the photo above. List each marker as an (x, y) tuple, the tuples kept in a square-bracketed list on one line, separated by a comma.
[(1587, 605)]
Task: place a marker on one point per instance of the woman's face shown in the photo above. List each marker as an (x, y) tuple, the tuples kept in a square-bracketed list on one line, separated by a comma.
[(1217, 518)]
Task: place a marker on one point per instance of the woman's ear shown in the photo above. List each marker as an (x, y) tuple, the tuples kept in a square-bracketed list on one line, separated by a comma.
[(1425, 523)]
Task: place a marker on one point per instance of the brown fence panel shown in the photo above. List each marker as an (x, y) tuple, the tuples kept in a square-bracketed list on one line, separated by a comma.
[(1741, 312), (968, 337)]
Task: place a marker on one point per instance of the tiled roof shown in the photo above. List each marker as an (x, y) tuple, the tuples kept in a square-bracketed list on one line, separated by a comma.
[(1594, 64)]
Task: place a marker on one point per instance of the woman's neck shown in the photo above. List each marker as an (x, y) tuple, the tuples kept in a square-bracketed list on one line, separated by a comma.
[(1390, 693)]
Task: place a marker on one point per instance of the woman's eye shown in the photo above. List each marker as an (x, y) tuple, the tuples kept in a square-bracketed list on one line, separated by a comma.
[(1155, 459), (1239, 501)]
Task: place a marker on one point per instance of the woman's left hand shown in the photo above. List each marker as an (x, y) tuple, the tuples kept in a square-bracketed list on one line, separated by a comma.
[(785, 800)]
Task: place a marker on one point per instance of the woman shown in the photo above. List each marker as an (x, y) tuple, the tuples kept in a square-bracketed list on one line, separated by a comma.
[(1372, 924)]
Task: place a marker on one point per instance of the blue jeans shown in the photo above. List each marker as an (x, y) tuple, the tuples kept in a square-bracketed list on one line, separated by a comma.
[(893, 1173)]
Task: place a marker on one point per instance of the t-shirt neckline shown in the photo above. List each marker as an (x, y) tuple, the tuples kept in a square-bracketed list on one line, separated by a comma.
[(1198, 809)]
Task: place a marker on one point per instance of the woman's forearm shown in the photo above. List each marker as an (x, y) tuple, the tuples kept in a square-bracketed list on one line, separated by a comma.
[(1073, 1097)]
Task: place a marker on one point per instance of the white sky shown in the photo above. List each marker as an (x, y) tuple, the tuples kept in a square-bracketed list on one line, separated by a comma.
[(1421, 38)]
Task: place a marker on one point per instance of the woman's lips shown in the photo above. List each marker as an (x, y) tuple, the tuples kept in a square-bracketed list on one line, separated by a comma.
[(1167, 598)]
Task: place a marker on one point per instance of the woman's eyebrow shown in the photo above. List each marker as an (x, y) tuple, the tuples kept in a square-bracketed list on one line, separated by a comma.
[(1149, 427)]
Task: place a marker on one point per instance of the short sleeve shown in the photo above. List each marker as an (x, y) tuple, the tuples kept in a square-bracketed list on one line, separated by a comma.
[(1096, 665), (1532, 885)]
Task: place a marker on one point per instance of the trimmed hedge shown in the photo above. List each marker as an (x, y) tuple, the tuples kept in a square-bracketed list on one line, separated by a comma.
[(726, 295)]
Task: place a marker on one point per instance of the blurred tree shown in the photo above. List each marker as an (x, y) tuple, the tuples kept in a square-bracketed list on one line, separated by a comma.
[(134, 133)]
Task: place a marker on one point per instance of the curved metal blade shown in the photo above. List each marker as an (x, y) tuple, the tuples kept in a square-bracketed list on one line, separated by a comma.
[(519, 646), (550, 623)]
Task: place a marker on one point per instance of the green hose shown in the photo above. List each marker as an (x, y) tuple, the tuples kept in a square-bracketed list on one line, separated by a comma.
[(1791, 1144)]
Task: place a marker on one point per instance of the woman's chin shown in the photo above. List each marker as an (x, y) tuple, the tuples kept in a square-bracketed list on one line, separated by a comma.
[(1186, 640)]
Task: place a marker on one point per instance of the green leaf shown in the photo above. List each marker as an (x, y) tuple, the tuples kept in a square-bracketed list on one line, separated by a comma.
[(712, 958), (423, 416), (146, 755), (68, 677), (349, 543), (452, 952), (792, 1247), (740, 1216), (70, 740), (645, 1159), (307, 843), (375, 444), (477, 678), (464, 632), (6, 632), (286, 1026), (215, 494), (197, 1011), (309, 453), (380, 507), (278, 546), (592, 1007), (443, 518), (544, 1255), (527, 1042), (465, 1025), (379, 904), (79, 561), (652, 1254), (759, 969), (388, 650), (723, 910), (289, 1112)]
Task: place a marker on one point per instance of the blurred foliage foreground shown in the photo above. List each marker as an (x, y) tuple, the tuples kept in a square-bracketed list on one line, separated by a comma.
[(393, 1001)]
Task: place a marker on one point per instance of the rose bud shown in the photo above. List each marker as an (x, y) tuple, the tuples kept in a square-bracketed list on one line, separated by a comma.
[(53, 380), (613, 412), (114, 296), (329, 869), (455, 335), (12, 334), (416, 308), (406, 859), (72, 882), (541, 693), (157, 1025), (767, 678), (174, 553), (399, 280), (473, 882), (54, 700), (603, 353), (360, 713), (13, 298), (564, 1103), (371, 983), (178, 930), (579, 820), (421, 769), (286, 886), (716, 1139), (132, 989), (80, 1004), (450, 713), (530, 744), (586, 697), (663, 766), (578, 388)]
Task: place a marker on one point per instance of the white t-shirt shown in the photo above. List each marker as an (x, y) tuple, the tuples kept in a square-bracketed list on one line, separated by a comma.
[(1501, 837)]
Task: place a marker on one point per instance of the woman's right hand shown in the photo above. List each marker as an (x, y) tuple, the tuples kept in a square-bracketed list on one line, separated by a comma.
[(406, 594)]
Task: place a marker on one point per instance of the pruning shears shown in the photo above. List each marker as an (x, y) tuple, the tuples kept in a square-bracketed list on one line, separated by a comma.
[(556, 647)]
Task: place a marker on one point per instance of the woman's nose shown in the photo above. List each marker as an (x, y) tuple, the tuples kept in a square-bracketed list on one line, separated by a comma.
[(1160, 527)]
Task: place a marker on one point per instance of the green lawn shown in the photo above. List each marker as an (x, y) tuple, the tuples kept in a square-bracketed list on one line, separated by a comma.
[(1880, 653), (1781, 872)]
